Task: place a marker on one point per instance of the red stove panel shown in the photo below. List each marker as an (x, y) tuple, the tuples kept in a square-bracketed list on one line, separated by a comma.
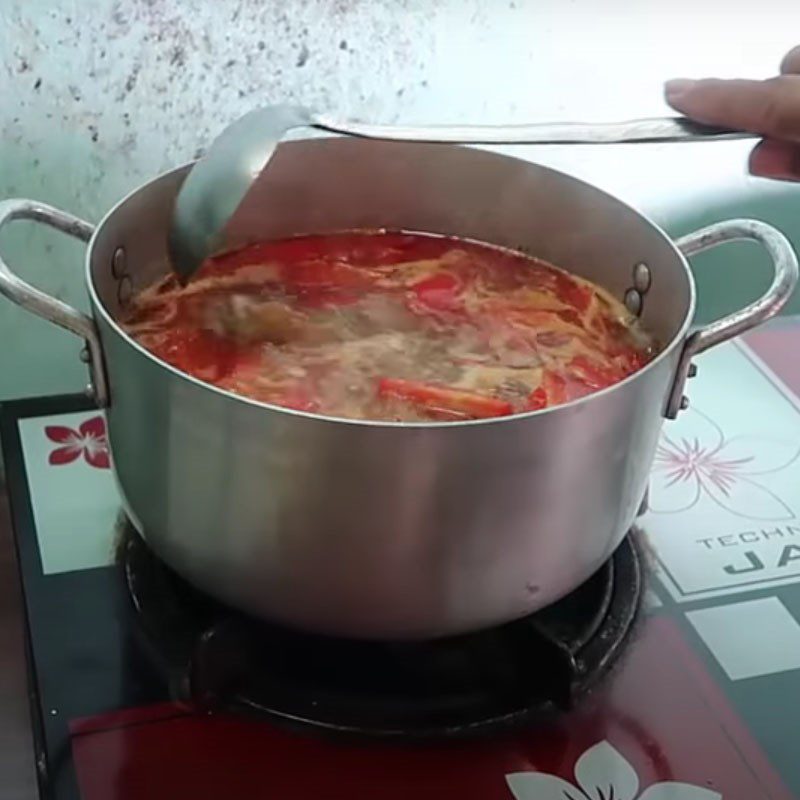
[(659, 729)]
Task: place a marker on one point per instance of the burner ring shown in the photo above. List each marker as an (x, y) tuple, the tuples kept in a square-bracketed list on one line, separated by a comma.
[(219, 659)]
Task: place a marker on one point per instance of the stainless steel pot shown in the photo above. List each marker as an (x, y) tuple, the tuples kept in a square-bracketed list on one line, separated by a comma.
[(377, 529)]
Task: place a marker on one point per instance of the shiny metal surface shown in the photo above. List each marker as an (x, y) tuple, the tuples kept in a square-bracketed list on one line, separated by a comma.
[(656, 129), (784, 280), (386, 530), (219, 181), (41, 304)]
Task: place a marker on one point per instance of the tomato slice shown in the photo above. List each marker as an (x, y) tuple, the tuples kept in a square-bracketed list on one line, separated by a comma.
[(632, 361), (584, 378), (575, 294), (298, 398), (538, 399), (556, 389), (551, 392), (594, 375), (198, 352), (440, 292), (319, 283), (444, 398), (322, 274)]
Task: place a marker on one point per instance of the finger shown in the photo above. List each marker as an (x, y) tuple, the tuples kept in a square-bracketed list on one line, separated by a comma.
[(791, 62), (777, 160), (771, 107)]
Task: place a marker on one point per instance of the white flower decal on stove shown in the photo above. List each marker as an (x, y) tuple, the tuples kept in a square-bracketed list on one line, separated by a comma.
[(694, 459), (601, 773)]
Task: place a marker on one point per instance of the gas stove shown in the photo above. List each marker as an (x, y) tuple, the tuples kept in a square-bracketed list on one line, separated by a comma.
[(473, 685), (672, 674)]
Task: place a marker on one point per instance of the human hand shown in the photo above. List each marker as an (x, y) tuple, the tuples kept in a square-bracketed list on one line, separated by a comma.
[(770, 108)]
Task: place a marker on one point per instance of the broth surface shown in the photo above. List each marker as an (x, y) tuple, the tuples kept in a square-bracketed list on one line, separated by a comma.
[(390, 326)]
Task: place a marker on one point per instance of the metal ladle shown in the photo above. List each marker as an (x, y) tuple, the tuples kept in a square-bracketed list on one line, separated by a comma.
[(218, 182)]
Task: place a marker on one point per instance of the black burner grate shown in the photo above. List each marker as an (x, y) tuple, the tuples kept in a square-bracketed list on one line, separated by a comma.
[(466, 685)]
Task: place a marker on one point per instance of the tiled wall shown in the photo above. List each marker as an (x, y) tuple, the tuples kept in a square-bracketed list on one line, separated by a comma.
[(97, 96)]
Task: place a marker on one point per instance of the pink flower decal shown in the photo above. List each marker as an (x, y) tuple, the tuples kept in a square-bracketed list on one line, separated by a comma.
[(699, 462), (89, 440)]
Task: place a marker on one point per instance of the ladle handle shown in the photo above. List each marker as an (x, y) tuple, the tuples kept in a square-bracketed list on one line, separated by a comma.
[(657, 129), (218, 182)]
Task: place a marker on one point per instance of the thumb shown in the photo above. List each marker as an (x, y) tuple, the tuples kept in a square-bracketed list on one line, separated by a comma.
[(777, 160), (770, 108)]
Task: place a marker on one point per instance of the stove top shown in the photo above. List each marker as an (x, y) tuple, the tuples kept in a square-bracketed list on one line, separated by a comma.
[(135, 695), (478, 684)]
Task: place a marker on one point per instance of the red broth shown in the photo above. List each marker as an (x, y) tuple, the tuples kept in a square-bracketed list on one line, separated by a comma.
[(391, 326)]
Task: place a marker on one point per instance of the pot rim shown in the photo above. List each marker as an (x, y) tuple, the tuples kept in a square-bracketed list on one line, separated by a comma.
[(678, 337)]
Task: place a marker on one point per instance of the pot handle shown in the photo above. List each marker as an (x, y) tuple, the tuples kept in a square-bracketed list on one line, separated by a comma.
[(45, 306), (784, 264)]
